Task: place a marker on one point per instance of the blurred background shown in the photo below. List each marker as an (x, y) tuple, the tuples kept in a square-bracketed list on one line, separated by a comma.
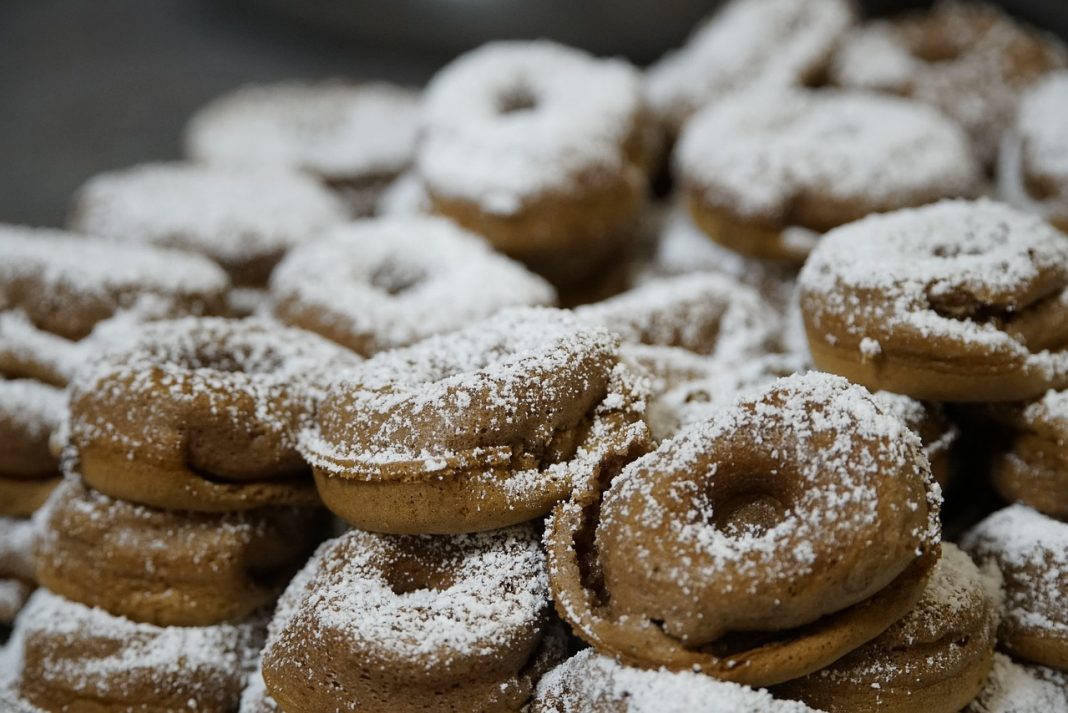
[(91, 85)]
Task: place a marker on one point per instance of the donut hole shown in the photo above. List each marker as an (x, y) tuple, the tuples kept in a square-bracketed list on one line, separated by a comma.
[(394, 278), (410, 571), (229, 359), (517, 100), (746, 505)]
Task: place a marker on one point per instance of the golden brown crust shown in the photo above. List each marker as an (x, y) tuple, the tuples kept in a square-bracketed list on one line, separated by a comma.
[(20, 497)]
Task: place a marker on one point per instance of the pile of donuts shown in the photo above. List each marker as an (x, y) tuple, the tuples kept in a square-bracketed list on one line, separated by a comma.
[(739, 383)]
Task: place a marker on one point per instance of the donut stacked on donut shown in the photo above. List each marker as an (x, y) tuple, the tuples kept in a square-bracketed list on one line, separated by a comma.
[(771, 44), (355, 138), (968, 59), (402, 623), (1033, 162), (380, 284), (244, 220), (793, 527), (764, 173), (478, 429), (543, 150)]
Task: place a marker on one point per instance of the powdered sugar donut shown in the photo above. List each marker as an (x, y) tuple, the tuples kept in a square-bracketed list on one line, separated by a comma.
[(17, 577), (415, 623), (1018, 688), (202, 414), (591, 683), (1032, 552), (477, 429), (959, 301), (243, 220), (934, 659), (149, 565), (747, 43), (540, 148), (757, 167), (723, 532), (356, 138), (55, 287), (968, 59), (77, 658), (389, 282), (1033, 163), (29, 413)]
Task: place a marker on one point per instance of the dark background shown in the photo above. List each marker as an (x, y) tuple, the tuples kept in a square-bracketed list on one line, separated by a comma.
[(91, 85)]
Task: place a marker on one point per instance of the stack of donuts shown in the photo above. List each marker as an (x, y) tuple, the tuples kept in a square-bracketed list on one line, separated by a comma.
[(739, 383)]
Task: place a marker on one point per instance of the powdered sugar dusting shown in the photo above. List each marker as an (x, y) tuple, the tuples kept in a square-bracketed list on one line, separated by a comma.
[(36, 407), (1018, 688)]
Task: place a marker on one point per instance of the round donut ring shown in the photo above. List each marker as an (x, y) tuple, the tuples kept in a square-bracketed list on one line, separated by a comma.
[(202, 414), (386, 283), (957, 301), (482, 428), (415, 623), (650, 565)]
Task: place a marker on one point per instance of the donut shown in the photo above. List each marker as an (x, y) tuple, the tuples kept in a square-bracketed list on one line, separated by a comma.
[(29, 412), (385, 283), (968, 59), (765, 172), (935, 659), (1033, 466), (929, 421), (79, 658), (716, 552), (148, 565), (1033, 160), (478, 429), (774, 44), (542, 149), (1031, 550), (244, 220), (401, 623), (589, 682), (17, 577), (355, 138), (55, 287), (201, 414), (1019, 688), (958, 301)]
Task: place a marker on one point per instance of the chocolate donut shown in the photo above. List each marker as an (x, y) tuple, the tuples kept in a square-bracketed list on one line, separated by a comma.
[(386, 283), (201, 414), (243, 220), (765, 172), (355, 138), (958, 301), (1032, 552), (718, 552), (401, 623), (148, 565), (482, 428)]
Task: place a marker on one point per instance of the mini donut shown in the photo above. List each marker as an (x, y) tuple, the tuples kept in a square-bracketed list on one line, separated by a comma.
[(78, 658), (774, 44), (1033, 162), (386, 283), (968, 59), (542, 149), (403, 623), (934, 660), (589, 682), (717, 552), (958, 301), (55, 287), (478, 429), (148, 565), (765, 172), (17, 578), (1033, 467), (29, 412), (355, 138), (201, 414), (1031, 550), (243, 220), (929, 421), (1018, 688)]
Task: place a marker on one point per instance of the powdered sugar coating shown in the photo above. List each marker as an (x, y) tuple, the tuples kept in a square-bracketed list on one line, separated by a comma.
[(761, 154), (17, 537), (748, 43), (510, 121), (590, 681), (333, 129), (38, 408), (230, 215), (1017, 688), (1040, 119), (385, 283)]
